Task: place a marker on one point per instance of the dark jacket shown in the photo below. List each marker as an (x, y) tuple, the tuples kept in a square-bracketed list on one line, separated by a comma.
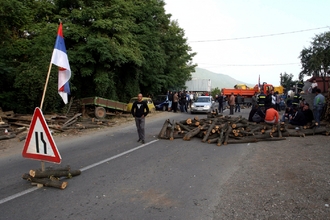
[(268, 101), (261, 99), (139, 109), (309, 116), (170, 97), (220, 99), (298, 119), (238, 99)]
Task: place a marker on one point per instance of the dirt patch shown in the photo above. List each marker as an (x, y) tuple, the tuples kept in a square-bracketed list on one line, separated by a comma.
[(283, 180)]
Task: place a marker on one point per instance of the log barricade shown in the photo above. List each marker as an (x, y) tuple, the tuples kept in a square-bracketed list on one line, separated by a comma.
[(51, 177), (223, 130)]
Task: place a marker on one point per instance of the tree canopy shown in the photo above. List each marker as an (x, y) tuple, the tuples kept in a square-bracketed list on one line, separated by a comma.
[(116, 48), (315, 59)]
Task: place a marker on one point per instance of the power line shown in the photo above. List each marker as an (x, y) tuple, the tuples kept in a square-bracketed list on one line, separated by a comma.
[(258, 36), (244, 65)]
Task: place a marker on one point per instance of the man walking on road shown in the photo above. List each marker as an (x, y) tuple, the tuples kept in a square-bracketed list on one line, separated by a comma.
[(139, 111), (232, 103)]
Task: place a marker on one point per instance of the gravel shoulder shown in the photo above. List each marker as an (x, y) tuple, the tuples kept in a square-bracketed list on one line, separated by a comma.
[(280, 180)]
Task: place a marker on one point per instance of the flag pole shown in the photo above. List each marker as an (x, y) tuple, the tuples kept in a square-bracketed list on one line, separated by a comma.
[(42, 102), (46, 84)]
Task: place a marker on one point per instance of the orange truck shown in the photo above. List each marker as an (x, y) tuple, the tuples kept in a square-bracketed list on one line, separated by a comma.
[(247, 92)]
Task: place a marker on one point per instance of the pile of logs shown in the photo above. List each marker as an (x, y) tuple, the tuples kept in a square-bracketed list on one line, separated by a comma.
[(51, 177), (16, 126), (224, 130)]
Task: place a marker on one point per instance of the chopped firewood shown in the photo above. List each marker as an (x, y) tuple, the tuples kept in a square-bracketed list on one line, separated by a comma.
[(272, 139), (209, 131), (7, 136), (162, 133), (191, 134), (46, 181), (172, 131), (56, 173), (183, 126)]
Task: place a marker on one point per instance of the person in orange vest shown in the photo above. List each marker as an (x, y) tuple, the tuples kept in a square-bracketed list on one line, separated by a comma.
[(272, 116)]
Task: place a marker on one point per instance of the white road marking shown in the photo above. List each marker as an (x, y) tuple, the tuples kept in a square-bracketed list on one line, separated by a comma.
[(116, 156), (83, 169), (18, 195)]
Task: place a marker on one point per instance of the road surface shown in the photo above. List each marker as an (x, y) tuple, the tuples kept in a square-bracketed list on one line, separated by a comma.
[(122, 179)]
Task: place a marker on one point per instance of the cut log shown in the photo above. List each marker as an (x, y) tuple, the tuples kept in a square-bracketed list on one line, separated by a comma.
[(56, 173), (69, 122), (184, 127), (229, 130), (292, 134), (172, 131), (220, 139), (272, 139), (238, 125), (279, 130), (245, 140), (20, 130), (9, 136), (247, 133), (315, 131), (162, 133), (46, 182), (209, 131), (20, 124), (191, 134), (213, 140)]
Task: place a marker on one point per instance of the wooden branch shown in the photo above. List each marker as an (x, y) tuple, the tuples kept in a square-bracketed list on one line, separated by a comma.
[(209, 130), (56, 173), (229, 130), (272, 139), (213, 140), (9, 136), (162, 133), (69, 122), (46, 181), (184, 127), (245, 140), (279, 130), (191, 134), (172, 131)]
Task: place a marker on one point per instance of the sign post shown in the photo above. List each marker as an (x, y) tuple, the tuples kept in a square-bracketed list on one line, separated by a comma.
[(39, 144)]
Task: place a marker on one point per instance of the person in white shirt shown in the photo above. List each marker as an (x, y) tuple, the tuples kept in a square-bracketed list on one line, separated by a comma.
[(191, 95), (314, 86)]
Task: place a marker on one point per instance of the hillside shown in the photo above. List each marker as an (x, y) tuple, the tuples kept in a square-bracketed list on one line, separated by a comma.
[(217, 79)]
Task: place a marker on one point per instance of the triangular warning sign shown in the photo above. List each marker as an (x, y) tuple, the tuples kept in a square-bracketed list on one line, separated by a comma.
[(39, 144)]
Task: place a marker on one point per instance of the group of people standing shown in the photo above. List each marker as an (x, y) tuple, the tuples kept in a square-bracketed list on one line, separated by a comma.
[(234, 102), (181, 100)]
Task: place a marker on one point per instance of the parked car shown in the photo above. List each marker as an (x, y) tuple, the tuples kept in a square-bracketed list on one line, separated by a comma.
[(203, 104), (161, 102), (149, 101)]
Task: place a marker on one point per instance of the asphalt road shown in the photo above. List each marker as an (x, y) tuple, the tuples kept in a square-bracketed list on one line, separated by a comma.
[(122, 179)]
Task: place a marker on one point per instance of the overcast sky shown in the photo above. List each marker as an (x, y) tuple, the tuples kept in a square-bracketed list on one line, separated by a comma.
[(208, 22)]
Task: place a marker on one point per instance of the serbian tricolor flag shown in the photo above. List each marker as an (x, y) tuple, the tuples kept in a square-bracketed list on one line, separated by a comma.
[(60, 59)]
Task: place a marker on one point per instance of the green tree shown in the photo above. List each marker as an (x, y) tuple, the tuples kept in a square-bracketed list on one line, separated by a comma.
[(215, 91), (315, 59), (286, 80), (116, 48)]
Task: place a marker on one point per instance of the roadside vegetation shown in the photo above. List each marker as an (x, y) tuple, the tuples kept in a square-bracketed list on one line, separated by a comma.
[(116, 48)]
